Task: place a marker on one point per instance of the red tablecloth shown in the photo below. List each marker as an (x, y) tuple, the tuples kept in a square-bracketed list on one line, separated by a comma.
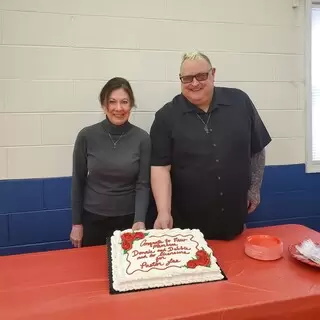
[(73, 284)]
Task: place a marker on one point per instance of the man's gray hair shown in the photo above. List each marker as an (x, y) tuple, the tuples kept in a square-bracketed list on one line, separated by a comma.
[(195, 55)]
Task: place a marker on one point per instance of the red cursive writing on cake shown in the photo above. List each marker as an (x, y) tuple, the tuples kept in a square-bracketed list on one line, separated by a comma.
[(160, 252)]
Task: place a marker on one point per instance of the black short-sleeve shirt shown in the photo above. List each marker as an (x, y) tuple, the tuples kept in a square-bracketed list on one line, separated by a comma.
[(210, 169)]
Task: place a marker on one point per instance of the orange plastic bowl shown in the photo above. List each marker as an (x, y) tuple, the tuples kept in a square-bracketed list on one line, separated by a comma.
[(264, 247)]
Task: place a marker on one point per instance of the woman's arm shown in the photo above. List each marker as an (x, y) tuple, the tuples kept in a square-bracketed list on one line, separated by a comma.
[(79, 175), (143, 181)]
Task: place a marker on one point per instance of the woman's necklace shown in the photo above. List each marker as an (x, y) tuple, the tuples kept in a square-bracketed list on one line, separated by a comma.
[(114, 142), (206, 130)]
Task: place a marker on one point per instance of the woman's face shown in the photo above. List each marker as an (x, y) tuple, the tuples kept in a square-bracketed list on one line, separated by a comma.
[(118, 107)]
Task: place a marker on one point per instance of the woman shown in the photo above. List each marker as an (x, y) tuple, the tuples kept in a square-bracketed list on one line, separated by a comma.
[(111, 171)]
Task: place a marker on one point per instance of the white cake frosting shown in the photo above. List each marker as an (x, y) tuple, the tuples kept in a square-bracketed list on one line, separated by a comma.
[(158, 258)]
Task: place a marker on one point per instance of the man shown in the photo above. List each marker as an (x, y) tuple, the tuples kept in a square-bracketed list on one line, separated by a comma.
[(208, 155)]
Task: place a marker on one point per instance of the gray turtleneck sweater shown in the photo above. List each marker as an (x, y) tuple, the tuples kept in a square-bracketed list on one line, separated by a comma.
[(111, 171)]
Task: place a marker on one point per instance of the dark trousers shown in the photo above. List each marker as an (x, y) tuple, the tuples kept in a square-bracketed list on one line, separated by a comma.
[(97, 228)]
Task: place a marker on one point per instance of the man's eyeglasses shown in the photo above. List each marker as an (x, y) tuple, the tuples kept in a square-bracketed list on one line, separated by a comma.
[(199, 76)]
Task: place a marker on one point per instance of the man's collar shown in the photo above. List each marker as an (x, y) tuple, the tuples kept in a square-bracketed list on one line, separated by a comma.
[(219, 99)]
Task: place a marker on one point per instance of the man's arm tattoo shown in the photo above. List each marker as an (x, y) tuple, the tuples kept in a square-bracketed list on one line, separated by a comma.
[(257, 171)]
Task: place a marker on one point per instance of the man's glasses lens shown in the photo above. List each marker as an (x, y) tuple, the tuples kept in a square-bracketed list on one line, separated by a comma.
[(199, 77)]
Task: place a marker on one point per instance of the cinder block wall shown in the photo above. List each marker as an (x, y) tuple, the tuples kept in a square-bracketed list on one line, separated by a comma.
[(56, 55)]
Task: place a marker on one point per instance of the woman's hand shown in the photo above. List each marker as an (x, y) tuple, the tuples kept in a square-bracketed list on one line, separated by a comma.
[(138, 226), (76, 235)]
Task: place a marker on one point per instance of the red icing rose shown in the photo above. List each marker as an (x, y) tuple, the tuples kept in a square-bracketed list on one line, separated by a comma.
[(201, 253), (191, 264), (203, 258), (127, 236), (126, 245), (138, 235)]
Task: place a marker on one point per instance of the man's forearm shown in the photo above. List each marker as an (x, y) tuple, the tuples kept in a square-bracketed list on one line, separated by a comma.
[(161, 188), (257, 171)]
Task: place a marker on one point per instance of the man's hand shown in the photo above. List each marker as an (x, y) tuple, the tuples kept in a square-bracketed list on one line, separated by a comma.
[(164, 221), (253, 201), (138, 226), (76, 235)]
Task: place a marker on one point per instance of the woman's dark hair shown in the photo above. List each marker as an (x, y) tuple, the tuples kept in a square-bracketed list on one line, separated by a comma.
[(114, 84)]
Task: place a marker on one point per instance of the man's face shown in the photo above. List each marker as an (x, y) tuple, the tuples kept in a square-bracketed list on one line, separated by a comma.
[(199, 90)]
